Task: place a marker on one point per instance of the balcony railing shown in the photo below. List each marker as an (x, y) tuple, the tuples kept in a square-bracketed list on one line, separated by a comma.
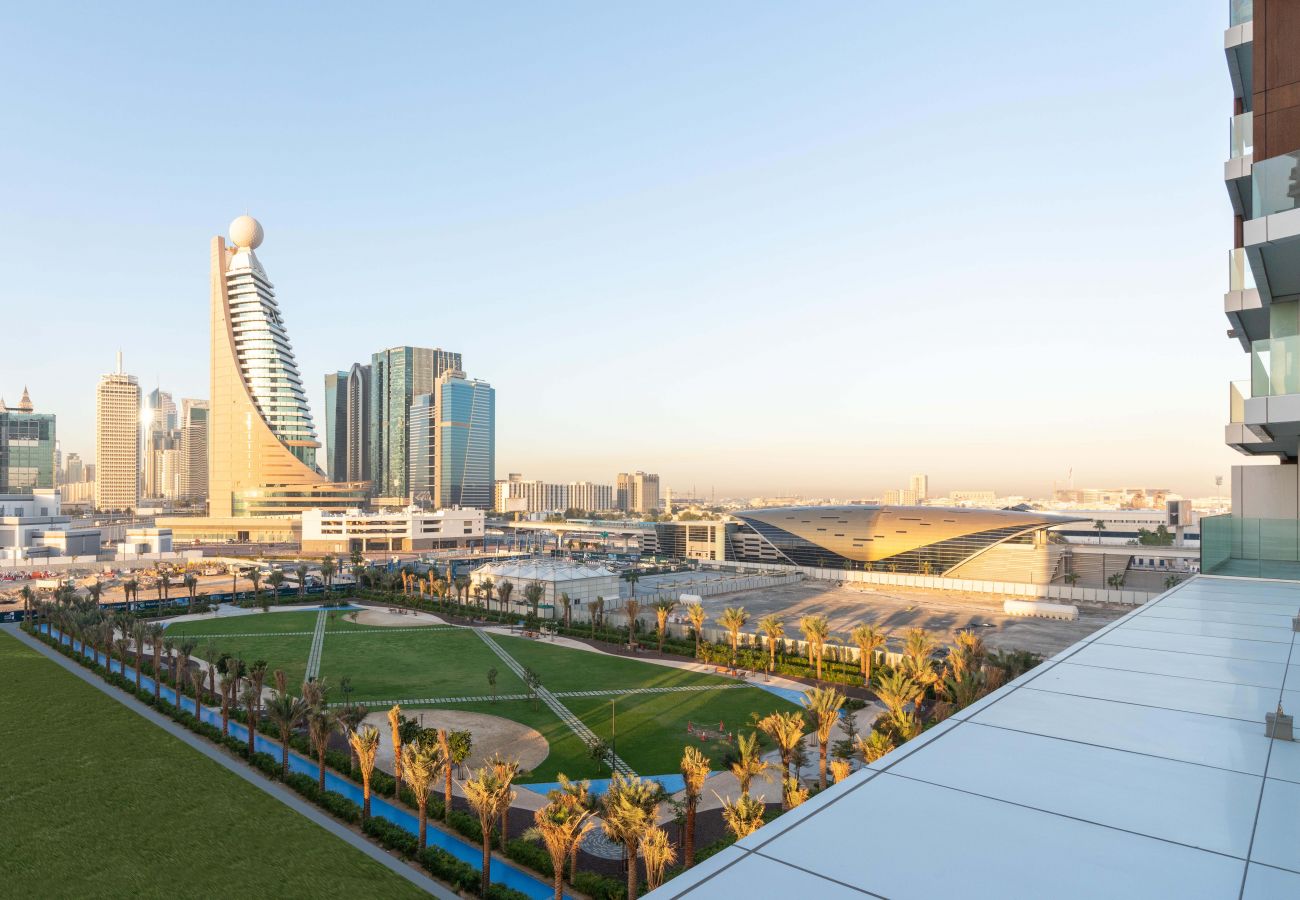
[(1238, 391), (1275, 185), (1242, 135), (1240, 11), (1240, 275), (1254, 548), (1275, 367)]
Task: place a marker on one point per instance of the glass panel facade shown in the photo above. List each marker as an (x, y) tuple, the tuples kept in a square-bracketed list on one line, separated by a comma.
[(1275, 367), (26, 451), (1275, 185), (1240, 11), (465, 443), (1242, 135)]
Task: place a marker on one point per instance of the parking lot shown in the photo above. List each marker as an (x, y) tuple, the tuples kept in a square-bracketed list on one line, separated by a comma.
[(895, 609)]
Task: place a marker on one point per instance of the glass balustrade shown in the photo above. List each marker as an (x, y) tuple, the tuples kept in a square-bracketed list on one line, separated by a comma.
[(1275, 366), (1240, 275), (1242, 135), (1254, 548), (1240, 11), (1275, 185)]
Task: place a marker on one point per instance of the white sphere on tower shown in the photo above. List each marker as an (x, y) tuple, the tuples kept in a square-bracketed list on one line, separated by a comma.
[(246, 233)]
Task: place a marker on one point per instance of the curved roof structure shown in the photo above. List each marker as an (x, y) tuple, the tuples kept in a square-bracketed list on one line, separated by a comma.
[(898, 538), (542, 570)]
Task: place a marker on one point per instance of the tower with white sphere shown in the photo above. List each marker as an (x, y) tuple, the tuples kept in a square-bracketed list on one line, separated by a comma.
[(262, 442)]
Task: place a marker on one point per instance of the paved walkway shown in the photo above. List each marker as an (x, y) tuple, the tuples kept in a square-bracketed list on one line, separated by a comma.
[(239, 768), (576, 725), (317, 644)]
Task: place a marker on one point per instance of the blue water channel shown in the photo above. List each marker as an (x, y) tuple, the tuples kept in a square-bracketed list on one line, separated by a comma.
[(502, 873)]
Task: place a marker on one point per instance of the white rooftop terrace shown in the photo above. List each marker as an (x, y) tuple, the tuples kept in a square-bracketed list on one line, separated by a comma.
[(1132, 764)]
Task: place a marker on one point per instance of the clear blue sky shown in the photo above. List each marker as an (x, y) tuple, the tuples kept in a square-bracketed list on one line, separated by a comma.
[(756, 247)]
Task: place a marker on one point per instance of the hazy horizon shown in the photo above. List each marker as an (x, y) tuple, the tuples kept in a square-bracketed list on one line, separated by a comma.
[(758, 250)]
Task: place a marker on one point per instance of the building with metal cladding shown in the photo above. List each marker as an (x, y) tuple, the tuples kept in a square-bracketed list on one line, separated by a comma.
[(906, 539), (27, 442)]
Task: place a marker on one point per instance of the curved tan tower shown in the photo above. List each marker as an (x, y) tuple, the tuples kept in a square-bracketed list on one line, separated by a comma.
[(262, 443)]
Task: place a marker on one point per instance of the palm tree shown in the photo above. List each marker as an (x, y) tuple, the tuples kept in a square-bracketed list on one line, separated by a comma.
[(629, 809), (395, 731), (816, 631), (420, 762), (486, 794), (165, 585), (823, 705), (659, 854), (287, 712), (663, 608), (139, 632), (156, 632), (697, 617), (348, 718), (786, 731), (918, 658), (633, 577), (95, 589), (444, 747), (874, 745), (695, 771), (229, 688), (181, 663), (504, 590), (321, 720), (169, 646), (749, 763), (276, 581), (255, 576), (191, 582), (506, 770), (743, 816), (896, 691), (196, 679), (365, 744), (869, 639), (774, 630), (566, 603), (1099, 526), (327, 573), (561, 826), (631, 609), (733, 619), (597, 613), (130, 588), (253, 700), (533, 594)]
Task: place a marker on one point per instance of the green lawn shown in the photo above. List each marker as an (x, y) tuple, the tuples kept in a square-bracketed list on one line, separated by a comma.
[(281, 651), (652, 727), (398, 664), (565, 669), (401, 665), (99, 802)]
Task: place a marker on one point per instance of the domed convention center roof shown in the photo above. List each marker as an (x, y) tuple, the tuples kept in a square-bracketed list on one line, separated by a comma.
[(542, 570)]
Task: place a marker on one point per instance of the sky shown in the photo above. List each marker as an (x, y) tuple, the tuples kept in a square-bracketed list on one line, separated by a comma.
[(758, 248)]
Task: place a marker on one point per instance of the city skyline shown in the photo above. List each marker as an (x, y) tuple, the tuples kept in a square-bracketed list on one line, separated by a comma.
[(572, 260)]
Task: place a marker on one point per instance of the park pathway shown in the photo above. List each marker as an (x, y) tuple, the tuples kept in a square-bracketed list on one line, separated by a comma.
[(317, 642), (576, 725)]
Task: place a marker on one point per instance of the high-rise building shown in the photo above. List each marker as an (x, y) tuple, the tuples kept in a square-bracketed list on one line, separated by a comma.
[(262, 442), (637, 492), (1262, 303), (27, 448), (74, 471), (397, 376), (347, 423), (159, 446), (194, 450), (464, 442), (920, 486), (117, 441), (336, 401)]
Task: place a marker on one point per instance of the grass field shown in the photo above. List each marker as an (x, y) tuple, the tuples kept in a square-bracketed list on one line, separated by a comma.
[(99, 802), (421, 664)]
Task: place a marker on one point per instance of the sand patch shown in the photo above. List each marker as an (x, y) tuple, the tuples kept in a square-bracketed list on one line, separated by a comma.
[(491, 734), (406, 619)]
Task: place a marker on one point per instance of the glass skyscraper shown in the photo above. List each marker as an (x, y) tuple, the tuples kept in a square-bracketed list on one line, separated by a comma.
[(397, 376), (464, 442), (26, 449)]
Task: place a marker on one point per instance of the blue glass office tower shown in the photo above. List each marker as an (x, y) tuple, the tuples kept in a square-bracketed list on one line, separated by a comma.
[(27, 442), (466, 442)]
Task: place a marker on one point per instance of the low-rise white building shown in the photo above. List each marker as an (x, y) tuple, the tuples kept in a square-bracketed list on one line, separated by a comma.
[(583, 583), (144, 542), (32, 526), (397, 530)]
